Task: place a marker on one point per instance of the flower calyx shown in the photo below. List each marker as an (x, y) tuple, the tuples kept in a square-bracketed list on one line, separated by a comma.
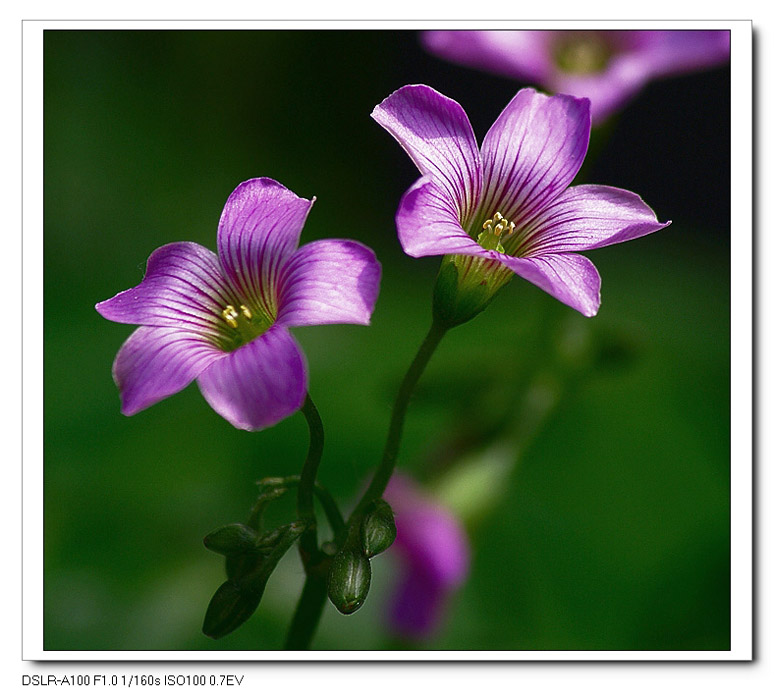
[(465, 286)]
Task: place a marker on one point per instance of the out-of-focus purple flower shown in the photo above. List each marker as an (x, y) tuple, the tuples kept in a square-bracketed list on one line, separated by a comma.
[(608, 67), (223, 319), (435, 558), (508, 208)]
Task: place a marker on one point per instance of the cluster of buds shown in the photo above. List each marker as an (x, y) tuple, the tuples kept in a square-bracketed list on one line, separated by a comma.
[(252, 554), (349, 579), (251, 557)]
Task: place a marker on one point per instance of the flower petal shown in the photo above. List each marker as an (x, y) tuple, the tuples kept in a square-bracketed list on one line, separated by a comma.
[(673, 52), (522, 54), (587, 217), (428, 225), (183, 287), (329, 281), (435, 554), (572, 279), (436, 133), (258, 231), (258, 384), (157, 362), (418, 604), (532, 152)]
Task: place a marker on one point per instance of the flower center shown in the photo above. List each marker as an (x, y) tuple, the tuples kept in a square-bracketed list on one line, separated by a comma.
[(496, 231), (582, 52), (243, 327)]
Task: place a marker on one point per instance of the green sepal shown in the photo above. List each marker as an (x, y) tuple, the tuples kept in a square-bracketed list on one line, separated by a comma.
[(232, 539), (464, 288), (377, 529), (349, 580)]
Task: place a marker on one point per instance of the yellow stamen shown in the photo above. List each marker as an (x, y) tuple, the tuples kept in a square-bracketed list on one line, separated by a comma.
[(495, 230), (247, 313), (230, 315)]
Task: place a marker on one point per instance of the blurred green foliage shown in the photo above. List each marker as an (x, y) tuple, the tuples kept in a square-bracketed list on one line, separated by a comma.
[(611, 531)]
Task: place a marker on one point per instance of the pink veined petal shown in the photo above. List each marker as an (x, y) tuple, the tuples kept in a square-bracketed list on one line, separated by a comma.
[(428, 225), (589, 216), (435, 132), (329, 281), (259, 230), (570, 278), (258, 384), (183, 287), (532, 152), (157, 362)]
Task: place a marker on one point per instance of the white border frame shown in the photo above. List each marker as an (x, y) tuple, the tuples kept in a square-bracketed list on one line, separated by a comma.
[(741, 349)]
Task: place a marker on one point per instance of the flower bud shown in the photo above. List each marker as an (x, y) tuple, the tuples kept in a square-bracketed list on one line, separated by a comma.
[(238, 566), (377, 531), (237, 599), (232, 539), (349, 580), (229, 608)]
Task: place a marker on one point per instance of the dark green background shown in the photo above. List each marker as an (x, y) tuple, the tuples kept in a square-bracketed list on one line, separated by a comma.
[(610, 531)]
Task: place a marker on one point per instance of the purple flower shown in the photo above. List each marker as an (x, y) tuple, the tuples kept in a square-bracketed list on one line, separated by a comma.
[(223, 319), (435, 559), (508, 208), (608, 67)]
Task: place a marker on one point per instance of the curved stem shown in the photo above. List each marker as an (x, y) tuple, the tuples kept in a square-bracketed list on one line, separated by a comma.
[(310, 605), (329, 505), (390, 455), (306, 484)]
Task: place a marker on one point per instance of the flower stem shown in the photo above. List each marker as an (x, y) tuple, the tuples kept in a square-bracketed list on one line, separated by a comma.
[(390, 455), (306, 484), (310, 605), (308, 613), (329, 505)]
